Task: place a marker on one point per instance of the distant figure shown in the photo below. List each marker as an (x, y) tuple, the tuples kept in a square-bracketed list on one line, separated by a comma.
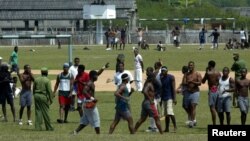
[(215, 35), (243, 37), (176, 34), (107, 37), (14, 60), (138, 70), (202, 38), (140, 32), (229, 45), (123, 36), (102, 2), (160, 47), (59, 43), (94, 3)]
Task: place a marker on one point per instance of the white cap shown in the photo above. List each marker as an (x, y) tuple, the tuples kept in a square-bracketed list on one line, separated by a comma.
[(1, 58)]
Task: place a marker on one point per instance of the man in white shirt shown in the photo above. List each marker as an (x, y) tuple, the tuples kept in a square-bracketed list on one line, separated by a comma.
[(73, 70), (138, 70), (117, 77)]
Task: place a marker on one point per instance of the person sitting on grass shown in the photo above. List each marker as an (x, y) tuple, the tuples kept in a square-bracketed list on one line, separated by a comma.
[(160, 47)]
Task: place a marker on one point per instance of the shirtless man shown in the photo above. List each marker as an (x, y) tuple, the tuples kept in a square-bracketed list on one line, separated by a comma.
[(212, 77), (140, 36), (26, 79), (192, 79), (148, 105), (242, 88)]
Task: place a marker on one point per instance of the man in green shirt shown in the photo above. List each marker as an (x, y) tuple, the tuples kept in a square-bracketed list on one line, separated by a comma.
[(43, 98), (236, 67), (14, 60)]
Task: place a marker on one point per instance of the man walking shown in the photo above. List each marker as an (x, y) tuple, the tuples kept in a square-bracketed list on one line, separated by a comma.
[(212, 76), (26, 79), (43, 98)]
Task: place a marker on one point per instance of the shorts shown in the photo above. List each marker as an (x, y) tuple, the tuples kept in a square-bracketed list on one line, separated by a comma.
[(64, 100), (6, 97), (193, 98), (91, 116), (149, 109), (14, 68), (122, 114), (212, 98), (224, 104), (25, 98), (243, 103), (168, 107)]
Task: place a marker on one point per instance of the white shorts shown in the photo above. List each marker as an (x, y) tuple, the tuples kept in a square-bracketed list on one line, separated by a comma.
[(168, 107), (139, 39), (91, 116)]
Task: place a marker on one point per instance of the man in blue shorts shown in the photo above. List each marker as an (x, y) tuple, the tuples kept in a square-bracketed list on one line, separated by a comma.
[(192, 79), (26, 79)]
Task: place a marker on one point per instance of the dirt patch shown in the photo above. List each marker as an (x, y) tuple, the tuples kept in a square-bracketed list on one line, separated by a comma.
[(102, 85)]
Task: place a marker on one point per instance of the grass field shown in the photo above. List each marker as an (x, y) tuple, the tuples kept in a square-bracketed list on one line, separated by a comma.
[(94, 59), (97, 56)]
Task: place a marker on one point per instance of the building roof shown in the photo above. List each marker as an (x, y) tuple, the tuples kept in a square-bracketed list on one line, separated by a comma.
[(54, 9)]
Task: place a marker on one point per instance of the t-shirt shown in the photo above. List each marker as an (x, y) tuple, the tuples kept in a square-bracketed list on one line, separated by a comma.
[(167, 89), (118, 79), (14, 60), (83, 77)]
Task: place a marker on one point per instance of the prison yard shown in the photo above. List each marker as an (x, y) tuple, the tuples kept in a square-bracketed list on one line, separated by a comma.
[(94, 58), (51, 33)]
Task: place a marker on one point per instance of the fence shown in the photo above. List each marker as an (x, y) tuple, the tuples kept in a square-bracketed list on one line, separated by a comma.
[(151, 37)]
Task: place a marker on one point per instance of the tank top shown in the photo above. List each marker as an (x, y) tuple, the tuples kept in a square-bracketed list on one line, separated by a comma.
[(224, 85), (122, 104), (64, 84)]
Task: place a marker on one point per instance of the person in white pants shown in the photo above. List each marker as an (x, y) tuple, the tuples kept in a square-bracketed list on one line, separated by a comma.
[(138, 70)]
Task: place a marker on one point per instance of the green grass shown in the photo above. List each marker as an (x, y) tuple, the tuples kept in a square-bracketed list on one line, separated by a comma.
[(11, 131), (97, 56)]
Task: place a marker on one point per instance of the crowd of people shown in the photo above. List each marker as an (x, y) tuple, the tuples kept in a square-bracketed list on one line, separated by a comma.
[(159, 91)]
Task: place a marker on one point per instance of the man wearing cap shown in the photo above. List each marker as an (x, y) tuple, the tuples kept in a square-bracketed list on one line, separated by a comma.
[(65, 83), (168, 97), (236, 67), (43, 98)]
